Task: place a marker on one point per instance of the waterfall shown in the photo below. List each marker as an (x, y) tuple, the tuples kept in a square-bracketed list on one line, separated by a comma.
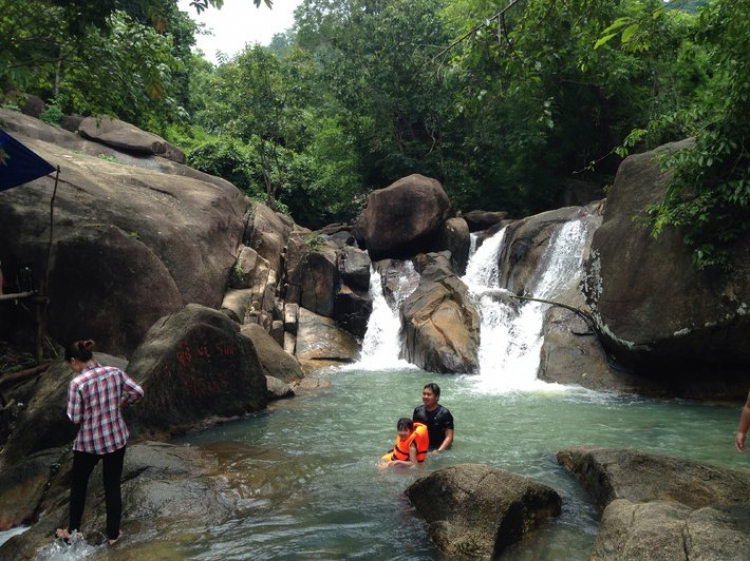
[(381, 345), (511, 330)]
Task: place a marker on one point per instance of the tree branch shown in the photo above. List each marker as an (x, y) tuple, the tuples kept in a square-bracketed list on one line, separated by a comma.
[(473, 30)]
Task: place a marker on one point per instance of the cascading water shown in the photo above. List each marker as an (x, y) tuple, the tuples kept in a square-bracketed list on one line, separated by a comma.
[(511, 332), (381, 344)]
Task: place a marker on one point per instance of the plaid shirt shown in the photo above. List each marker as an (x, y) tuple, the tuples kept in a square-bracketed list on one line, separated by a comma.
[(94, 399)]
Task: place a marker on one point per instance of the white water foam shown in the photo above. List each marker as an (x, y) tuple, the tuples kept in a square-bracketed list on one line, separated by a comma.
[(381, 345), (511, 332)]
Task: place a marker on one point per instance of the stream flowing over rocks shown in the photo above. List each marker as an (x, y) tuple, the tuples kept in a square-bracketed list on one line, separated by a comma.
[(217, 305)]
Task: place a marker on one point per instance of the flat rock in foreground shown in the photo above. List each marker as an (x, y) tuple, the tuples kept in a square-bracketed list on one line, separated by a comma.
[(622, 473), (662, 508)]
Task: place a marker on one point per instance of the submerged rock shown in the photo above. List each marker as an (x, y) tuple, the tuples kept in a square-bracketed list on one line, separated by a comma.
[(475, 511)]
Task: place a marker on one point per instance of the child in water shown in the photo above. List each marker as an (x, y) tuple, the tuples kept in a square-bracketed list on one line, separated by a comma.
[(412, 442)]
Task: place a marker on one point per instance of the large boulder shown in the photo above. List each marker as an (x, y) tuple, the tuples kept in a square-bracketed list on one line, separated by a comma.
[(475, 511), (166, 240), (128, 138), (571, 354), (656, 313), (662, 508), (478, 220), (622, 473), (454, 236), (354, 267), (401, 220), (318, 281), (668, 531), (440, 324), (194, 366)]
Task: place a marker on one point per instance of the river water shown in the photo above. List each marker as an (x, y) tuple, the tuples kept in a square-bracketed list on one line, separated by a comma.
[(315, 491), (306, 468)]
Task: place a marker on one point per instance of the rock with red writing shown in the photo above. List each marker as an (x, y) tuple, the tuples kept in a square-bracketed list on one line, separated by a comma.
[(195, 367)]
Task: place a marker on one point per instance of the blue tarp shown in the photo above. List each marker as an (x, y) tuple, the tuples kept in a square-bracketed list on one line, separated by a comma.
[(18, 164)]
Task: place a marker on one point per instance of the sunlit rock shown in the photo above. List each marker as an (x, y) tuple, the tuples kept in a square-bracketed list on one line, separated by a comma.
[(440, 324)]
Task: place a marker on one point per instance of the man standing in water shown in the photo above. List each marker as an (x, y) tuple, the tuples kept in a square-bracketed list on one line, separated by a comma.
[(438, 419)]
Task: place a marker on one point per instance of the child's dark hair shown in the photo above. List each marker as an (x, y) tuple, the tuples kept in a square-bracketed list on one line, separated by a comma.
[(405, 423), (80, 350)]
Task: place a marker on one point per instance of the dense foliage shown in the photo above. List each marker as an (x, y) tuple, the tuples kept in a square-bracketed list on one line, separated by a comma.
[(509, 103)]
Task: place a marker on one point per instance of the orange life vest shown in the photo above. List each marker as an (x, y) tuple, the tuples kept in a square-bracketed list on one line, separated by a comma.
[(401, 449)]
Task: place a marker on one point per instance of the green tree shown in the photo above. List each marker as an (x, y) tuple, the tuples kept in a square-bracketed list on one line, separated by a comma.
[(709, 196)]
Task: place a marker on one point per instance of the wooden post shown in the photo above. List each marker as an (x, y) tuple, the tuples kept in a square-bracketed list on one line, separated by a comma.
[(41, 308)]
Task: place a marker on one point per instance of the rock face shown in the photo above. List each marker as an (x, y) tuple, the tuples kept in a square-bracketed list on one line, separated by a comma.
[(320, 342), (620, 473), (399, 221), (526, 244), (166, 240), (121, 261), (440, 324), (474, 511), (42, 424), (668, 531), (662, 508), (194, 366), (128, 138), (273, 359), (161, 485), (656, 313), (454, 236)]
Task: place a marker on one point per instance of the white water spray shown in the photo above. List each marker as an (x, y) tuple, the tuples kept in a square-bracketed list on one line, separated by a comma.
[(381, 345), (511, 331)]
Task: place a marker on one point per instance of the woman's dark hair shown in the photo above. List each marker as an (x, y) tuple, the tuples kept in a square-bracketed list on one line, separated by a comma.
[(434, 387), (80, 350), (405, 423)]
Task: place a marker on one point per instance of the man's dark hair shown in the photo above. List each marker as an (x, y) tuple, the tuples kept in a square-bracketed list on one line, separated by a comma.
[(434, 387)]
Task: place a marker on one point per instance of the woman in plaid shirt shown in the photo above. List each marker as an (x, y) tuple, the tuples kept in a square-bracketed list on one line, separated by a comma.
[(94, 399)]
